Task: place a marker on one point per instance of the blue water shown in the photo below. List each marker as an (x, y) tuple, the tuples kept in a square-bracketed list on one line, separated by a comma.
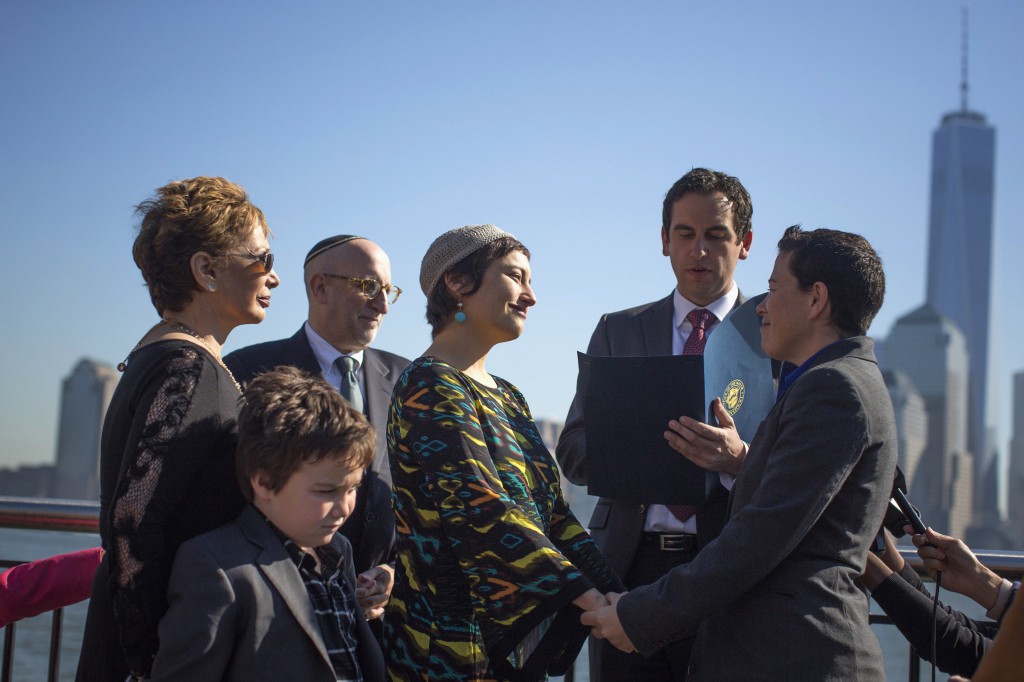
[(33, 635)]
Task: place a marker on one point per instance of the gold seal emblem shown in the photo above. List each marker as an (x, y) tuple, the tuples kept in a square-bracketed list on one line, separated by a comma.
[(732, 397)]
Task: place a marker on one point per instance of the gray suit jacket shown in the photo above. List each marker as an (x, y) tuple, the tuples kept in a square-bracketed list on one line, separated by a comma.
[(238, 610), (371, 528), (777, 591), (617, 526)]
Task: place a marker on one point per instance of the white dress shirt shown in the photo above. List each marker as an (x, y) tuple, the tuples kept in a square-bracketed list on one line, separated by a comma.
[(326, 355), (659, 518)]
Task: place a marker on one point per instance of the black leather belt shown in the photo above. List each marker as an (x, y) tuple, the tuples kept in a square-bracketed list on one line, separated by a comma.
[(672, 542)]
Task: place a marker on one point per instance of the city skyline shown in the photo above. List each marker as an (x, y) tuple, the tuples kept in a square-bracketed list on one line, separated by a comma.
[(563, 125)]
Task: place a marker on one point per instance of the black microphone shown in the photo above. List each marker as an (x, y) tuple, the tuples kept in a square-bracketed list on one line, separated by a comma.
[(908, 510)]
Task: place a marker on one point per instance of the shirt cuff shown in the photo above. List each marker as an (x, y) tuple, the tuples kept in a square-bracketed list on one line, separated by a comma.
[(726, 479), (1002, 600)]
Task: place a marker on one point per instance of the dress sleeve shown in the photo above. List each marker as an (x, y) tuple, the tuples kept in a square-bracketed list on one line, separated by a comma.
[(446, 440), (156, 471)]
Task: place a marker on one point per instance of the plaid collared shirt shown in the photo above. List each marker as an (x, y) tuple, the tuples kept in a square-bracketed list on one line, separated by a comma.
[(334, 603)]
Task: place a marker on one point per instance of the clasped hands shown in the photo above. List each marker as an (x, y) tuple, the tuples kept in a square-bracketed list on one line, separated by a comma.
[(373, 590), (599, 612), (715, 448)]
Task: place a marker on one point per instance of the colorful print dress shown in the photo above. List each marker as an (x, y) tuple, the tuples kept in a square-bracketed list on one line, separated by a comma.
[(490, 556)]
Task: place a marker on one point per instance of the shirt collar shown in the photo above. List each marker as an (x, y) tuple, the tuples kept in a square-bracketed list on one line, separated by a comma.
[(720, 307), (790, 373), (325, 353)]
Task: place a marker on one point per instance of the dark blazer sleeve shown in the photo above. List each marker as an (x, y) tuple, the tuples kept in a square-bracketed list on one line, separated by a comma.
[(571, 451), (960, 641), (198, 632), (793, 484)]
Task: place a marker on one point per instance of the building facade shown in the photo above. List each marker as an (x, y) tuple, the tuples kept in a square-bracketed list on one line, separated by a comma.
[(960, 270), (929, 350), (85, 396)]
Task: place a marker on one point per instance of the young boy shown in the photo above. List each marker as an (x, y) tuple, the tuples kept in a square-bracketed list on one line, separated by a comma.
[(272, 595)]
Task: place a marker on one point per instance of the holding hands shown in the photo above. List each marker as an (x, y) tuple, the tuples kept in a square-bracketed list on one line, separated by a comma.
[(604, 623), (715, 448), (373, 590)]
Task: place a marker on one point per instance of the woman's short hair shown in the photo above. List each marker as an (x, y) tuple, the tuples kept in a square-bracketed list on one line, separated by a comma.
[(289, 417), (184, 217), (441, 304)]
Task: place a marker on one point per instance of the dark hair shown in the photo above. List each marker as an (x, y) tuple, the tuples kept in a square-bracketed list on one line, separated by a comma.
[(704, 181), (441, 305), (848, 267), (185, 217), (289, 417)]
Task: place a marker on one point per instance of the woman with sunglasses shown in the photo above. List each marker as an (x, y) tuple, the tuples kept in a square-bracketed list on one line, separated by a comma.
[(491, 561), (167, 450)]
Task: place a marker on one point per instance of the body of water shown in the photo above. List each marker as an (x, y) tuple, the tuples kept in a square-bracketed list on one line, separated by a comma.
[(33, 635)]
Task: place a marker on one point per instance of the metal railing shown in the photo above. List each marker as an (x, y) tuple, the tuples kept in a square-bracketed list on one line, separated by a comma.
[(43, 514), (82, 516)]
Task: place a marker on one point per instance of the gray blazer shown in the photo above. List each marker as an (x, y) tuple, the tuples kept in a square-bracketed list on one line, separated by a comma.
[(371, 528), (616, 525), (777, 591), (238, 610)]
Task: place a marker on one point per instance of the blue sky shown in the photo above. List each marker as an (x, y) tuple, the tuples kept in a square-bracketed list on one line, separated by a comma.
[(564, 123)]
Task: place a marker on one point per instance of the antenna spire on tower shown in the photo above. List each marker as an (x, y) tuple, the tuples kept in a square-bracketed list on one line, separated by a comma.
[(963, 57)]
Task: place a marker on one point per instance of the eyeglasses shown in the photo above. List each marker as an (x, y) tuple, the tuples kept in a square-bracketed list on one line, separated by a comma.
[(265, 259), (370, 287)]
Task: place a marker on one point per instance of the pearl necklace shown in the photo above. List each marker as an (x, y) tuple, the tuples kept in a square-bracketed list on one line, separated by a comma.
[(183, 329)]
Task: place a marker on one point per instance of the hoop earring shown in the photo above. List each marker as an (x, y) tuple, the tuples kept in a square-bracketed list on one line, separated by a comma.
[(460, 316)]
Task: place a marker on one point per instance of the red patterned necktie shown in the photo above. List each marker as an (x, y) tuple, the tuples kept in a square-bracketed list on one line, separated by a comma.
[(700, 318)]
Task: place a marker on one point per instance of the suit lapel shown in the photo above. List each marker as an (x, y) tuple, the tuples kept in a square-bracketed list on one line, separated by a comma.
[(300, 354), (273, 561), (379, 384), (656, 323)]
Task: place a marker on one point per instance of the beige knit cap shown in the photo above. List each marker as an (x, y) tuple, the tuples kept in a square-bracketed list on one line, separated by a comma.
[(451, 247)]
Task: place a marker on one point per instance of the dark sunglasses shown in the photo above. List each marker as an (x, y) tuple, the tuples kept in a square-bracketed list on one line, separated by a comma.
[(265, 259)]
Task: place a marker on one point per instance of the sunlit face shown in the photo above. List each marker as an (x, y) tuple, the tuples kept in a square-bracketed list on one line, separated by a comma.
[(310, 508), (243, 286), (345, 317), (701, 245), (786, 329), (498, 309)]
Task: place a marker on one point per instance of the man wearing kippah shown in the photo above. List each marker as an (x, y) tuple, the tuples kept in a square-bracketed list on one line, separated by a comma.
[(349, 289), (705, 231)]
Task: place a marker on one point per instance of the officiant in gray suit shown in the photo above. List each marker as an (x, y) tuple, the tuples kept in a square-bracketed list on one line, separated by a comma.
[(776, 595), (349, 289)]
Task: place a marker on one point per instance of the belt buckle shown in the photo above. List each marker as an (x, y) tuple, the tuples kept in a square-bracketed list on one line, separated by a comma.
[(672, 542)]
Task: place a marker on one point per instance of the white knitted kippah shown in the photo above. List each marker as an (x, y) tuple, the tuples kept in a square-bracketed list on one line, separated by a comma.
[(451, 247)]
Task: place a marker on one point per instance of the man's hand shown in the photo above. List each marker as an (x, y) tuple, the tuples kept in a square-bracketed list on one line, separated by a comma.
[(373, 589), (604, 623), (715, 448)]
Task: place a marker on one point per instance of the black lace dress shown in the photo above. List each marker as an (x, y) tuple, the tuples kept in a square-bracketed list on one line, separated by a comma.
[(167, 474)]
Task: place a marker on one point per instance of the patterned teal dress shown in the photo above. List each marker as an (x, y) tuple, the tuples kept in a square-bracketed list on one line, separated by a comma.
[(489, 555)]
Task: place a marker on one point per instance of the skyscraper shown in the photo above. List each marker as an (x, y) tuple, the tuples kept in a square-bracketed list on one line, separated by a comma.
[(1015, 487), (960, 262), (84, 399), (930, 351)]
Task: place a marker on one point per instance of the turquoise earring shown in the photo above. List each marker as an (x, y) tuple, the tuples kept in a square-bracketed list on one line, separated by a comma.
[(459, 315)]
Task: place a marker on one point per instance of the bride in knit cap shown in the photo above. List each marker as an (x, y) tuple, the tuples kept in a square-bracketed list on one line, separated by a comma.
[(493, 567)]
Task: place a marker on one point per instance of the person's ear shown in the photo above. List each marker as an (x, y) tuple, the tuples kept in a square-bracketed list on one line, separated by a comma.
[(318, 288), (455, 283), (260, 486), (204, 270), (745, 244), (820, 303)]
